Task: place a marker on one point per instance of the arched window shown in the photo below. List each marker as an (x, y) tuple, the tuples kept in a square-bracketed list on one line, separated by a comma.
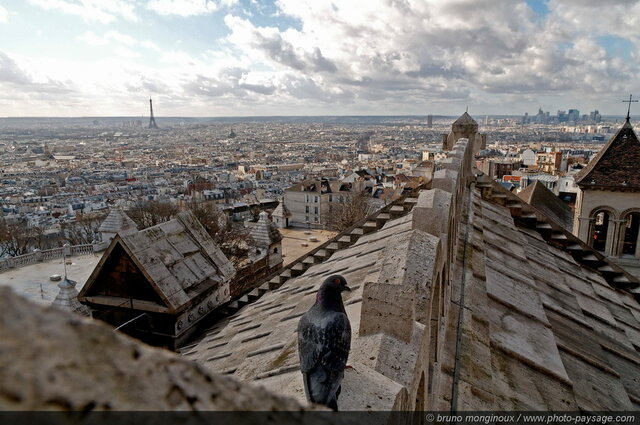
[(275, 250), (632, 225), (600, 228)]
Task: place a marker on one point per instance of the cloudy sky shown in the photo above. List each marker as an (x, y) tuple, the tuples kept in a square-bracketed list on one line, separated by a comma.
[(316, 57)]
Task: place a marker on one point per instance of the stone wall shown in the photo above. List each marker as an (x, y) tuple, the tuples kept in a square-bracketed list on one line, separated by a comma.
[(409, 316), (54, 360)]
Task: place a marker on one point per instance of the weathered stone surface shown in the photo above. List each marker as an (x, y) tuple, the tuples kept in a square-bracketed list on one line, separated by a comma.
[(431, 213), (54, 360), (446, 180), (402, 293)]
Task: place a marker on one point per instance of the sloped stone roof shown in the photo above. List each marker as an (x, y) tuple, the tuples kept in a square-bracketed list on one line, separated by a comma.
[(616, 165), (281, 211), (118, 222), (545, 201), (465, 120), (179, 258), (541, 331)]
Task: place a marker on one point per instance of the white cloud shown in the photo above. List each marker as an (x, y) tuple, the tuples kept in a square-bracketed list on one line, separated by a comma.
[(101, 11), (92, 39), (356, 56), (4, 15), (186, 8), (110, 37)]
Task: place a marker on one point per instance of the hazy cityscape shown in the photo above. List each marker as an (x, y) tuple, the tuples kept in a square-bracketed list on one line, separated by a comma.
[(54, 169)]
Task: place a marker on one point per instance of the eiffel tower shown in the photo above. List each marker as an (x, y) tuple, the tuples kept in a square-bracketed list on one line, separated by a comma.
[(152, 120)]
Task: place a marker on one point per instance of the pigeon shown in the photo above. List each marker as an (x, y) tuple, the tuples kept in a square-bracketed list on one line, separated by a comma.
[(324, 340)]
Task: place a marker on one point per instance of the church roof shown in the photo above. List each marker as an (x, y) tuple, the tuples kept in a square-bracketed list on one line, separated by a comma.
[(118, 222), (178, 258), (465, 119), (541, 328), (548, 203), (616, 165)]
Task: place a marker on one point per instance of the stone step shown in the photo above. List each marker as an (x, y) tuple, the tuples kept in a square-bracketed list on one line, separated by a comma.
[(541, 226), (276, 282), (321, 254), (332, 247), (621, 279), (255, 294), (243, 300), (606, 269), (357, 231), (409, 203), (396, 211), (299, 269), (309, 260), (264, 288), (286, 273), (369, 227), (344, 242), (382, 218), (355, 234)]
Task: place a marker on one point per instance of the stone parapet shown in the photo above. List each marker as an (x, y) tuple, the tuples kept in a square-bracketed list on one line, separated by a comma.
[(54, 360)]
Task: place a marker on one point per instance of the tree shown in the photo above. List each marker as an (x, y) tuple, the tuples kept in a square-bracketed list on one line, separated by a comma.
[(149, 213), (233, 240), (15, 238), (82, 230), (343, 215)]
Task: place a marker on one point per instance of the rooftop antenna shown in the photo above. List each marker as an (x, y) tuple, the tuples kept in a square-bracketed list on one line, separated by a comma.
[(64, 258), (630, 101), (467, 111), (152, 120)]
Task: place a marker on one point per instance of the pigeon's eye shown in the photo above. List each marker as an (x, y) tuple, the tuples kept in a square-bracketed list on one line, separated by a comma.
[(337, 281)]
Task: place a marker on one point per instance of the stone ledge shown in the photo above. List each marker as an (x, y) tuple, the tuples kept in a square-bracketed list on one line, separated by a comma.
[(54, 360)]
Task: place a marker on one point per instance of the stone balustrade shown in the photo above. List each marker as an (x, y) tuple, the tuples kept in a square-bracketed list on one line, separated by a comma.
[(38, 256)]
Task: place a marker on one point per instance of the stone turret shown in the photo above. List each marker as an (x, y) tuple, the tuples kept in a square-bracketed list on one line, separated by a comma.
[(268, 241), (67, 298), (281, 215), (465, 127), (117, 222)]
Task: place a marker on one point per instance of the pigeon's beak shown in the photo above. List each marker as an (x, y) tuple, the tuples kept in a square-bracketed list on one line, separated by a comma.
[(346, 288)]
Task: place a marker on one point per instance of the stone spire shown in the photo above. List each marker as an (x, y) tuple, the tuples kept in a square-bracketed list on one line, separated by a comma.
[(67, 298), (117, 222), (265, 232)]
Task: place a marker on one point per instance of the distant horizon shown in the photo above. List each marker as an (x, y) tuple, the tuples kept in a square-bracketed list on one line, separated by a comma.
[(160, 117)]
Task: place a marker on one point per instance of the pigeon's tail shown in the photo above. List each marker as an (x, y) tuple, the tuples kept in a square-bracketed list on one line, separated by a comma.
[(305, 381), (333, 404), (323, 387)]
